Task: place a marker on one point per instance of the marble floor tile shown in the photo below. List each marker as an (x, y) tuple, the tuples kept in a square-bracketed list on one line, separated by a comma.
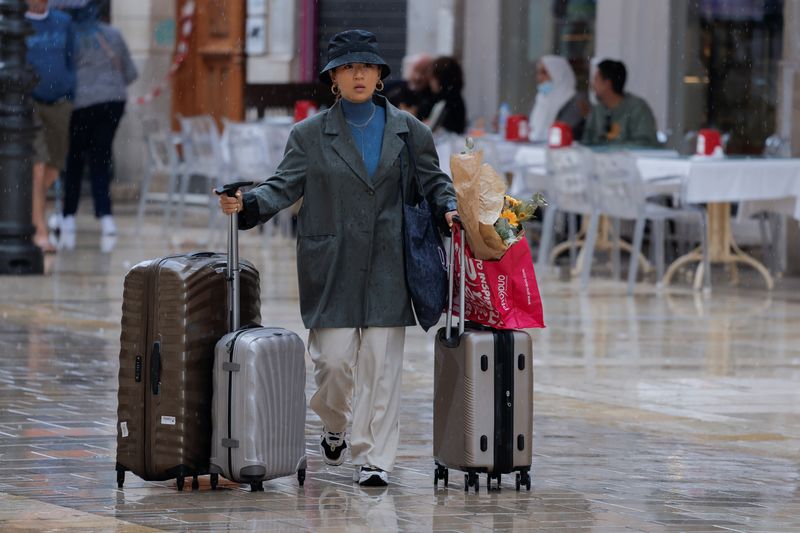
[(663, 412)]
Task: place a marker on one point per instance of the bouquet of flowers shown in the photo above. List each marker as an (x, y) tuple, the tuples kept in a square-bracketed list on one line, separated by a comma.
[(513, 214), (491, 218)]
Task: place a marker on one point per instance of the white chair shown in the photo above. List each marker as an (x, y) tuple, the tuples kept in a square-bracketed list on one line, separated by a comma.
[(572, 192), (620, 194), (162, 159), (203, 157), (251, 149), (277, 130), (244, 145), (772, 224)]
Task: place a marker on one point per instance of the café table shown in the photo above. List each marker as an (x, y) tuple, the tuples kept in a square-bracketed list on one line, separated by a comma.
[(718, 182)]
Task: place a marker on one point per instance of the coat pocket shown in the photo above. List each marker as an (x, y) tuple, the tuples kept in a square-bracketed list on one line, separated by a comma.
[(316, 256)]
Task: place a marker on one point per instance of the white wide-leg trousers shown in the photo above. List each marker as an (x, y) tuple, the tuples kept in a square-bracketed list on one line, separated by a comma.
[(369, 362)]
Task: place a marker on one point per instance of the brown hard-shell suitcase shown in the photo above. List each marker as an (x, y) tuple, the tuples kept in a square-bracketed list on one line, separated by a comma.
[(483, 399), (174, 311)]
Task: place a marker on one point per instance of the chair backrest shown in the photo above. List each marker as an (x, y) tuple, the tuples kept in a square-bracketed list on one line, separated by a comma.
[(688, 145), (277, 130), (161, 151), (619, 189), (777, 146), (152, 124), (245, 146), (492, 152), (572, 179), (202, 146)]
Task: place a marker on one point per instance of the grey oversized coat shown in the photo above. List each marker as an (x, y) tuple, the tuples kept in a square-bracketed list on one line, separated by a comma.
[(350, 262)]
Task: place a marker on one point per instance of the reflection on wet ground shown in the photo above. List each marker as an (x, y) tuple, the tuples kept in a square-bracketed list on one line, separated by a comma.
[(662, 412)]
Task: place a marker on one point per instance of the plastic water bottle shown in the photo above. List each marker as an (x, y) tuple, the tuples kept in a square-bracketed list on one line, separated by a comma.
[(502, 119)]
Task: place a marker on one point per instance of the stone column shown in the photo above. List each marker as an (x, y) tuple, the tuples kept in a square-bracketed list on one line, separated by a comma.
[(432, 27), (639, 35), (481, 58), (18, 254), (789, 119)]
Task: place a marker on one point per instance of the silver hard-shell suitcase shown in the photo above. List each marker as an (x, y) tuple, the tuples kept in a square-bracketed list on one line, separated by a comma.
[(259, 404), (483, 398)]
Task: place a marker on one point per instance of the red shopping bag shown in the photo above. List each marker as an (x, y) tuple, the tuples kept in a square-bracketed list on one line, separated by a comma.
[(502, 294)]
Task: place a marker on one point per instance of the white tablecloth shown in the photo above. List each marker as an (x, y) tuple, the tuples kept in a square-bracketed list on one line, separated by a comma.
[(759, 184)]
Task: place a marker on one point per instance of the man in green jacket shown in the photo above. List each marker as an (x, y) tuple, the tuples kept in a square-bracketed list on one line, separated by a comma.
[(619, 118)]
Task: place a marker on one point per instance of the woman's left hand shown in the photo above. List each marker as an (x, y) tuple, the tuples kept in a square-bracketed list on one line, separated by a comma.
[(449, 217)]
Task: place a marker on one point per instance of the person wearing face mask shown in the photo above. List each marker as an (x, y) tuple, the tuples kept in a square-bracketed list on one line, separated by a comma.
[(556, 99), (350, 164), (618, 118)]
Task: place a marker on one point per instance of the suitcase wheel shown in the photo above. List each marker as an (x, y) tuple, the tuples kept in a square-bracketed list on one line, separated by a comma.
[(195, 483), (120, 477), (523, 478), (472, 479), (440, 472), (489, 477), (214, 481), (301, 476), (256, 486), (179, 481)]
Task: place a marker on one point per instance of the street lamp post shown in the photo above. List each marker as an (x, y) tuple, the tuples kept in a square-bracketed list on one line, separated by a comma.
[(18, 253)]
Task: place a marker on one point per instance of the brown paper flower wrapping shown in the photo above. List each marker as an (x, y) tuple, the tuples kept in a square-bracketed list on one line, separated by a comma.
[(479, 193)]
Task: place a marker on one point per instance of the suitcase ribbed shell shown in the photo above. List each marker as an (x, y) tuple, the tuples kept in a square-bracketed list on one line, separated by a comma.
[(259, 407)]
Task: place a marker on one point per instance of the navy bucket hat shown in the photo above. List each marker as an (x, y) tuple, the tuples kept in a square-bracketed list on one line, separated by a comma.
[(353, 46)]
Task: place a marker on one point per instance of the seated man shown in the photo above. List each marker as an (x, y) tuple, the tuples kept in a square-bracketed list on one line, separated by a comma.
[(619, 118), (414, 91)]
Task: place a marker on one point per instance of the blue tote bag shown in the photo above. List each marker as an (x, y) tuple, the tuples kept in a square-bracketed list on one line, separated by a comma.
[(425, 258)]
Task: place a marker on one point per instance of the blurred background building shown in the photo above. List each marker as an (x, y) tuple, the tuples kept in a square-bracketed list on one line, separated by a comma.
[(728, 64)]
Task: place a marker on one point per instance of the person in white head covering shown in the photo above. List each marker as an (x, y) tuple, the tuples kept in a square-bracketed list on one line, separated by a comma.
[(556, 99)]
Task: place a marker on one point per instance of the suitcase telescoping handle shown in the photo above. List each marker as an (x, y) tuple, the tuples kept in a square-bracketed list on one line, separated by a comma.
[(233, 271), (461, 281)]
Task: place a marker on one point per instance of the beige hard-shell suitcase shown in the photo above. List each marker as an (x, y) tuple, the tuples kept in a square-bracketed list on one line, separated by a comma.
[(483, 399)]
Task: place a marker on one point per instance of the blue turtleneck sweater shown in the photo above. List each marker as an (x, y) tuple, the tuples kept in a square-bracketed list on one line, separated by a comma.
[(366, 122)]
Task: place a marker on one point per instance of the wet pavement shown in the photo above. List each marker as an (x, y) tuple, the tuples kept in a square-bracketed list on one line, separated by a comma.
[(662, 412)]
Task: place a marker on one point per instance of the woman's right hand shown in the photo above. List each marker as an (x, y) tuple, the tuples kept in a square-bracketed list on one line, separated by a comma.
[(231, 205)]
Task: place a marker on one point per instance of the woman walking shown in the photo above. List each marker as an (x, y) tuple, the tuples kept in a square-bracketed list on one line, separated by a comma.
[(104, 69), (348, 164)]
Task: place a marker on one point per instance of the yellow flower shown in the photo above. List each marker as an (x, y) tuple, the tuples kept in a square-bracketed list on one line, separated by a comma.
[(510, 216), (512, 201)]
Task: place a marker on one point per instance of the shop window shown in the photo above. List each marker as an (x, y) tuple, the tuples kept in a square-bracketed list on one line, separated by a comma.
[(736, 59), (573, 37)]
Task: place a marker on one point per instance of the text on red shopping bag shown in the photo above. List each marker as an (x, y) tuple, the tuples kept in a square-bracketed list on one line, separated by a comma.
[(501, 294)]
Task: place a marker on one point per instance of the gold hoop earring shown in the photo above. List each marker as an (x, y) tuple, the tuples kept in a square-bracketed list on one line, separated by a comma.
[(379, 86), (335, 90)]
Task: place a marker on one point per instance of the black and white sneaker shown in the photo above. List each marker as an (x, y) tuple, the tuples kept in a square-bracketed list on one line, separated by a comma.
[(332, 446), (369, 476)]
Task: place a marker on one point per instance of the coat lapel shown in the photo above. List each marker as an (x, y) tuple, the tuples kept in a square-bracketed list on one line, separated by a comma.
[(343, 145), (394, 130)]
